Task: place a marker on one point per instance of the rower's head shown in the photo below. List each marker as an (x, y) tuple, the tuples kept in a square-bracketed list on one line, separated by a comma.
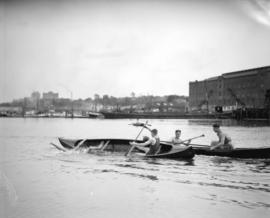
[(177, 133), (145, 138), (154, 132), (216, 128)]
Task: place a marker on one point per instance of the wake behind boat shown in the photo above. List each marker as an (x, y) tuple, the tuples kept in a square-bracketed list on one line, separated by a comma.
[(123, 145)]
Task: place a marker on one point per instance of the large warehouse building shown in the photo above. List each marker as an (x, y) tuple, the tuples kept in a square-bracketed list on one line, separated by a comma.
[(229, 91)]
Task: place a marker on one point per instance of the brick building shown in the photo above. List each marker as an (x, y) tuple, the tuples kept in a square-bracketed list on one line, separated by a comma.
[(246, 89)]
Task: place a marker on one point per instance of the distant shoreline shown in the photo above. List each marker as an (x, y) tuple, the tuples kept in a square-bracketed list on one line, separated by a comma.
[(129, 118)]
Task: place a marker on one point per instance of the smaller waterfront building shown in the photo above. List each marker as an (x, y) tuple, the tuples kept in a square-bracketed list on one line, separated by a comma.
[(230, 91), (10, 110)]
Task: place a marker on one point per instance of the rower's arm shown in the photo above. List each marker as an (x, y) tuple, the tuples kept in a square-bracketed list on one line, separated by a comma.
[(177, 143), (144, 143), (185, 142), (221, 142)]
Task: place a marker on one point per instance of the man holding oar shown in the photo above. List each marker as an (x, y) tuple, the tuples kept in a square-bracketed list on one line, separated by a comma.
[(134, 144), (176, 140), (153, 142)]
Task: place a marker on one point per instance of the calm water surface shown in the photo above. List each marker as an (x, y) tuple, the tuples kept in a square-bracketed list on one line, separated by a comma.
[(36, 180)]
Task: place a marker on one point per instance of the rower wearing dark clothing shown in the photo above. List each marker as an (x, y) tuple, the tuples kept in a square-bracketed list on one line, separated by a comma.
[(153, 142)]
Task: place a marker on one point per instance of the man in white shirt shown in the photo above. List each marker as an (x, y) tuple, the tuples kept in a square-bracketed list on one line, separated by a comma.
[(176, 140)]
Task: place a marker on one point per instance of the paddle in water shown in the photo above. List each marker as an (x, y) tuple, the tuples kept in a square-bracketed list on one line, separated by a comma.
[(79, 144), (58, 147), (133, 146)]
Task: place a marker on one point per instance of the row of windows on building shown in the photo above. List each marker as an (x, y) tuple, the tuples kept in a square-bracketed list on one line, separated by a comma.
[(230, 85)]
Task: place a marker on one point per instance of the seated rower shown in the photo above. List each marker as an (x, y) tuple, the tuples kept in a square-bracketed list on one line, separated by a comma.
[(176, 140), (153, 142), (224, 142)]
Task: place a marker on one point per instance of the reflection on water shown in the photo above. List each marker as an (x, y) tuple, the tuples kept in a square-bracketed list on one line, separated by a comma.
[(51, 183)]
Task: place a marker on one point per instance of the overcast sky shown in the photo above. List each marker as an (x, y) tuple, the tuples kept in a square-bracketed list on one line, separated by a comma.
[(117, 47)]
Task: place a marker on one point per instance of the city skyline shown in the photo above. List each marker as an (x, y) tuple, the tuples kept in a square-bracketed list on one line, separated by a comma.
[(119, 47), (51, 94)]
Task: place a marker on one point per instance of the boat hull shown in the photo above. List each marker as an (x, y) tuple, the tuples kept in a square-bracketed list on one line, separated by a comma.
[(184, 153), (122, 145), (263, 152)]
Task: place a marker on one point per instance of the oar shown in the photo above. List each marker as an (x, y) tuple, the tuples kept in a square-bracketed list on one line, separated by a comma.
[(105, 146), (139, 124), (58, 147), (95, 147), (200, 136), (79, 145), (133, 146)]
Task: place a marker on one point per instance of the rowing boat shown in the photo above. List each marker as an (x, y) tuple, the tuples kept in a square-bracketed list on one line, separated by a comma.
[(262, 152), (122, 145)]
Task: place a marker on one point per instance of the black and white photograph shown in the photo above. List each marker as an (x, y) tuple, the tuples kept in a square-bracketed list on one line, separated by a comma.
[(134, 108)]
